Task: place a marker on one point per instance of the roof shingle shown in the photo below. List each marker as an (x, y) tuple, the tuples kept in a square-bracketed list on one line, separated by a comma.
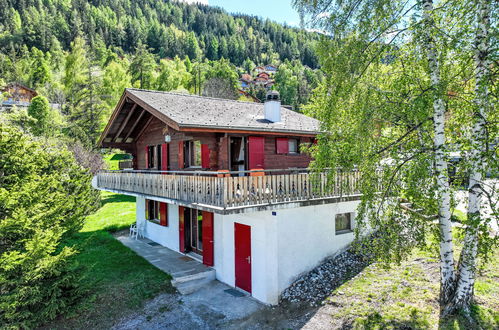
[(206, 112)]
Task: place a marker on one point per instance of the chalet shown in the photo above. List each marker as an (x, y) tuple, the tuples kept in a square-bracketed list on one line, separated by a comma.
[(17, 94), (226, 182), (271, 69), (263, 75)]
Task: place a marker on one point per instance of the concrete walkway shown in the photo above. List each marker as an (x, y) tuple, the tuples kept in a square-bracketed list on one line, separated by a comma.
[(189, 275), (206, 302), (169, 261)]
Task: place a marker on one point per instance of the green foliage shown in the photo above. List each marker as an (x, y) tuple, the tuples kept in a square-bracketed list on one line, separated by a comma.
[(118, 279), (44, 197), (376, 109), (39, 110)]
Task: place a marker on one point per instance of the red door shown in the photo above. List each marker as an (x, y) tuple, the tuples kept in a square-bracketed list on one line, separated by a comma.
[(208, 238), (242, 244), (256, 151)]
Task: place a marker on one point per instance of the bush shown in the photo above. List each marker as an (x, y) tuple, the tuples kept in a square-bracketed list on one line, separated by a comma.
[(45, 196)]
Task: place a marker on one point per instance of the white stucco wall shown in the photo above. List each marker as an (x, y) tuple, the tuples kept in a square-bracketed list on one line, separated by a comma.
[(307, 236), (166, 236), (263, 248), (284, 245)]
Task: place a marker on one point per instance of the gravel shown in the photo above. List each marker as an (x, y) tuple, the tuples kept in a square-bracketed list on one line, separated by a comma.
[(318, 284)]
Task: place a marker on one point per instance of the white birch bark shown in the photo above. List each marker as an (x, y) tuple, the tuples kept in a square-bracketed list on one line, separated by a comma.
[(467, 262), (447, 271)]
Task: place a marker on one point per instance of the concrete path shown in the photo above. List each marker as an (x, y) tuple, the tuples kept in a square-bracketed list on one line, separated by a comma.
[(169, 261), (205, 303)]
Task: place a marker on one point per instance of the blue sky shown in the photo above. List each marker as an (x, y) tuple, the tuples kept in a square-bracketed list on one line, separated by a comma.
[(277, 10)]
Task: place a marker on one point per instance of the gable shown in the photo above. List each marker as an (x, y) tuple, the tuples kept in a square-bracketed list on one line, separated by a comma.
[(190, 112)]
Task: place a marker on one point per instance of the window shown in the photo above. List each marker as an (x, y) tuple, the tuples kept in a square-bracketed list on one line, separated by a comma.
[(150, 156), (152, 209), (293, 146), (343, 223), (193, 153)]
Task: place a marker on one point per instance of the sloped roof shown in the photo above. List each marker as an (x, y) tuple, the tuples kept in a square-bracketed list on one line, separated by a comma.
[(191, 111)]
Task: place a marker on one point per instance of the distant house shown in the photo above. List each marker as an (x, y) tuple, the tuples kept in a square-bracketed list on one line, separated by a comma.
[(246, 81), (17, 94), (270, 68), (226, 182), (259, 69), (264, 75)]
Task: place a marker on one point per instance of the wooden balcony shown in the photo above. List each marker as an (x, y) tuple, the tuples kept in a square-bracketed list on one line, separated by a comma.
[(227, 192)]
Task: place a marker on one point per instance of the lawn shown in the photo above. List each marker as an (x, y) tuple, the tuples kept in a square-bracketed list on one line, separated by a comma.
[(405, 296), (118, 280), (112, 160)]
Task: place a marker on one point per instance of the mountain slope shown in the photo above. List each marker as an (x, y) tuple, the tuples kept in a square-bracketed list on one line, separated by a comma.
[(168, 28)]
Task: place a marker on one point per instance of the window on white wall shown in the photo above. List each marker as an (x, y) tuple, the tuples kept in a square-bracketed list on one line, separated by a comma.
[(343, 223)]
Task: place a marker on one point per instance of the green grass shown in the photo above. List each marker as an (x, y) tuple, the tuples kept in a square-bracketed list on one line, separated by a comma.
[(118, 280), (406, 296), (112, 160)]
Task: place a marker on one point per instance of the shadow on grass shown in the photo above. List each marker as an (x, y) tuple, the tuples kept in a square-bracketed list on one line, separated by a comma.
[(375, 320), (481, 318), (116, 198)]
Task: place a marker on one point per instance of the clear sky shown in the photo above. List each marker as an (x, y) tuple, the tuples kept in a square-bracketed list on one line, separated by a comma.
[(277, 10)]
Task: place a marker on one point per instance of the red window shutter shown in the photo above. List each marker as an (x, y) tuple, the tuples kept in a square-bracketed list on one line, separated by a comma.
[(147, 158), (181, 154), (282, 145), (164, 157), (205, 156), (181, 237), (256, 146), (163, 214), (208, 251)]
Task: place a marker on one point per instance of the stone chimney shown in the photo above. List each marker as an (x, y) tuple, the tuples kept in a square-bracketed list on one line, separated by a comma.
[(272, 107)]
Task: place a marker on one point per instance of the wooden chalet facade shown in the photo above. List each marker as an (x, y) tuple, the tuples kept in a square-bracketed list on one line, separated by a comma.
[(211, 174), (17, 94)]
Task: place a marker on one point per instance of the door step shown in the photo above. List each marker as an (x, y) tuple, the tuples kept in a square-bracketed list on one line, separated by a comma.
[(191, 283)]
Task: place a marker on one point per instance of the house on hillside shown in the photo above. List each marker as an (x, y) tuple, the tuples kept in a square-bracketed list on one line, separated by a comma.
[(226, 182), (271, 69), (17, 94)]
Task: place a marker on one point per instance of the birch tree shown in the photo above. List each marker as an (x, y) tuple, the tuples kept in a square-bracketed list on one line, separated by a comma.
[(407, 84)]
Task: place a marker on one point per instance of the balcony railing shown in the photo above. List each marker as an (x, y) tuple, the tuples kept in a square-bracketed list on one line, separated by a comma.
[(231, 190)]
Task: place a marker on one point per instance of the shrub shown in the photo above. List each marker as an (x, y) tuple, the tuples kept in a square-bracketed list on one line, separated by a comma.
[(44, 197)]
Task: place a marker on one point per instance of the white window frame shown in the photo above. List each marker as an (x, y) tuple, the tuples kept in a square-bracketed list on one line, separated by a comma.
[(351, 216)]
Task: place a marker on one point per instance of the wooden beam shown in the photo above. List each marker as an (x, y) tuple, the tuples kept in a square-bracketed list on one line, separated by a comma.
[(134, 125), (154, 112), (125, 122), (123, 99), (144, 128)]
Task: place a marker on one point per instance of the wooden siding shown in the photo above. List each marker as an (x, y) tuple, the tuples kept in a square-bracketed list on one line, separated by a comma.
[(273, 160)]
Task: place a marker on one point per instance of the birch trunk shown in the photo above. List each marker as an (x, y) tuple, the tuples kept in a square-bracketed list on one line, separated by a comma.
[(467, 262), (447, 271)]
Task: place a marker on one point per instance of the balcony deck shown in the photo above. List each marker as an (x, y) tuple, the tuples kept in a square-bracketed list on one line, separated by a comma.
[(227, 192)]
